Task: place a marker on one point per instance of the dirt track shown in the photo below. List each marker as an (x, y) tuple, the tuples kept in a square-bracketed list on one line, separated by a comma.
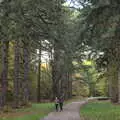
[(70, 112)]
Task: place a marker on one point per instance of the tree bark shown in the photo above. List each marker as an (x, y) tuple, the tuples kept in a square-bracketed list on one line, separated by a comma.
[(39, 78), (4, 74), (113, 82), (26, 55), (118, 85), (17, 74), (56, 76)]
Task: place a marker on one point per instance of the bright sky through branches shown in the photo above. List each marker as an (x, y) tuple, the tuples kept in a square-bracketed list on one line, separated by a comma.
[(73, 3)]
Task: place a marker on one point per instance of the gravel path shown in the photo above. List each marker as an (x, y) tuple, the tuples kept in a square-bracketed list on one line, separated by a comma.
[(70, 112)]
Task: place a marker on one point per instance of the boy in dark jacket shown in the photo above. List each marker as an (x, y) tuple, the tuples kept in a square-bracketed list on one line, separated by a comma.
[(61, 100)]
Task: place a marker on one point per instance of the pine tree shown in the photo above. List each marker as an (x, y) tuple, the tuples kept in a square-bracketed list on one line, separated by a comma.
[(4, 74)]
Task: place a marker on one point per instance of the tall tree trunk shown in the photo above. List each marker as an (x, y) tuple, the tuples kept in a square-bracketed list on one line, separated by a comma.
[(118, 85), (56, 72), (70, 79), (118, 56), (4, 74), (113, 82), (26, 55), (69, 89), (39, 78), (17, 74), (66, 85)]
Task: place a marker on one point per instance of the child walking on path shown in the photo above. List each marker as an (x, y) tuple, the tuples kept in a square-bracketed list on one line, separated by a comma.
[(56, 104), (61, 100)]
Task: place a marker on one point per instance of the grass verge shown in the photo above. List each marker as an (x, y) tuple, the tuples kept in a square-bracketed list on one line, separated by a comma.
[(100, 111), (36, 112)]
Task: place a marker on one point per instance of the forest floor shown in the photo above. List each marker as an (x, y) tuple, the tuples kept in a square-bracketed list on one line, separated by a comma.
[(70, 111), (35, 112)]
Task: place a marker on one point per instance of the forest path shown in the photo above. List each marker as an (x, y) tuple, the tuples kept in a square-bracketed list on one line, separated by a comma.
[(70, 111)]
